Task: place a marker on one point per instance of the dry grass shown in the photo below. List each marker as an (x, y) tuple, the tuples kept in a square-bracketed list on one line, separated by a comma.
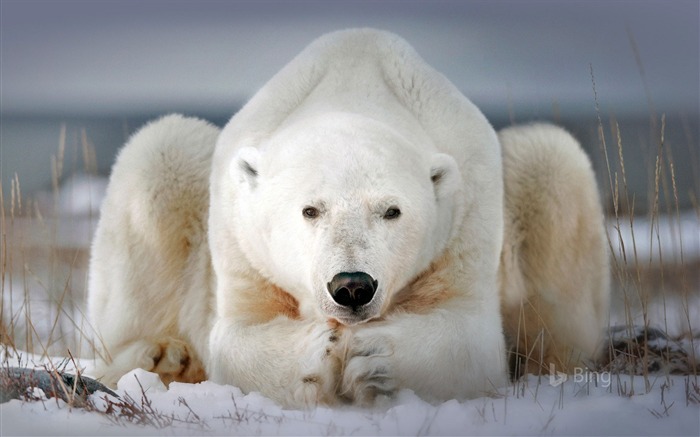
[(43, 271), (641, 284)]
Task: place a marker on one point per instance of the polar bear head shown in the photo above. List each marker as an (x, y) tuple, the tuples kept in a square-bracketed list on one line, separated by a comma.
[(343, 212)]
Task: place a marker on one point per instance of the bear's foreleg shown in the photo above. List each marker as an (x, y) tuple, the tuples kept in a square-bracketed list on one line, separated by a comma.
[(454, 351), (294, 362)]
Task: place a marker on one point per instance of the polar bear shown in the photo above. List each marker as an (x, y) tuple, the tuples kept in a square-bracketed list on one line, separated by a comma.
[(343, 238)]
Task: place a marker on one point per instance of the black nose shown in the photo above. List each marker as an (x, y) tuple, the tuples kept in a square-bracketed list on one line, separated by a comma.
[(352, 289)]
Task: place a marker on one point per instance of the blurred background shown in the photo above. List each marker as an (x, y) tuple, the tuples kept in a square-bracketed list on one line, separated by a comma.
[(88, 73), (77, 78)]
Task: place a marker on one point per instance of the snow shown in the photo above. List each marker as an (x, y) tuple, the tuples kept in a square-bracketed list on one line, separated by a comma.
[(585, 404), (80, 195), (579, 406), (660, 239)]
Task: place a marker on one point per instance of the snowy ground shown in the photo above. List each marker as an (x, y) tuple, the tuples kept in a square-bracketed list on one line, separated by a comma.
[(532, 407), (45, 285)]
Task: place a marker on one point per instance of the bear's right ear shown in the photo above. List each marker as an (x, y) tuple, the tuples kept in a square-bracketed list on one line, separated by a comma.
[(445, 176), (244, 167)]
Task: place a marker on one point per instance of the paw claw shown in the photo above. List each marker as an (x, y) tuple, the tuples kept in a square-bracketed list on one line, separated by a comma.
[(321, 369), (368, 371)]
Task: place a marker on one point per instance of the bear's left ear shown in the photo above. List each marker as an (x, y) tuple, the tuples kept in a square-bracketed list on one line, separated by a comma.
[(445, 175), (244, 167)]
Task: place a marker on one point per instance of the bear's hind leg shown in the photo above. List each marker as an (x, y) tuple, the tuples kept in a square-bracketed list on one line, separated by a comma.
[(554, 263), (152, 228)]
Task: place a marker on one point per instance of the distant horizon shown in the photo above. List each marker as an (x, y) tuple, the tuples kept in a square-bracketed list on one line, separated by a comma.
[(28, 143), (79, 57)]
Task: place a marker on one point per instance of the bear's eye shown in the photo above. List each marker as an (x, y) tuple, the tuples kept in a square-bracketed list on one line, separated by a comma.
[(310, 212), (392, 213)]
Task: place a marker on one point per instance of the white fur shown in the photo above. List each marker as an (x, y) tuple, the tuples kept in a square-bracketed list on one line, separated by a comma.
[(208, 248), (554, 266)]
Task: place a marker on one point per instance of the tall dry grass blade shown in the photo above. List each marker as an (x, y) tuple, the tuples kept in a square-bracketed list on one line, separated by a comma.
[(6, 337), (601, 133), (15, 210), (643, 76), (623, 269), (89, 155), (685, 285), (692, 147)]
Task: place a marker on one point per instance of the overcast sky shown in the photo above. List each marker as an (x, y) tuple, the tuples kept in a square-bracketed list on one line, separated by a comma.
[(123, 57)]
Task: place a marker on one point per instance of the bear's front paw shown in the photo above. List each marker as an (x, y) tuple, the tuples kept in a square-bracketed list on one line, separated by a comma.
[(368, 372), (320, 368)]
